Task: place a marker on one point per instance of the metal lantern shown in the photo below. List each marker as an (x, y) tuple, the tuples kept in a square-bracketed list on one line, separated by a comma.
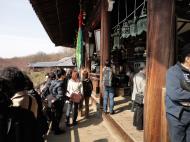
[(141, 25), (116, 36), (133, 27), (125, 30), (142, 21)]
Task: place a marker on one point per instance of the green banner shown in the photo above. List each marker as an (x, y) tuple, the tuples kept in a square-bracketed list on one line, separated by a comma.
[(79, 48)]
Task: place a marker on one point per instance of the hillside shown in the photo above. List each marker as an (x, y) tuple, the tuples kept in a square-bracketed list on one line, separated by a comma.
[(22, 62)]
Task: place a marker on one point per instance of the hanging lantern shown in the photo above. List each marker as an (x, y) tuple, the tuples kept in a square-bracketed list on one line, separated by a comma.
[(116, 36), (125, 30), (141, 25), (142, 21), (133, 27)]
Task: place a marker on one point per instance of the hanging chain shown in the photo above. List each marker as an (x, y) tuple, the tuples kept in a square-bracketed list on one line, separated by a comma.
[(126, 8), (118, 11), (135, 10)]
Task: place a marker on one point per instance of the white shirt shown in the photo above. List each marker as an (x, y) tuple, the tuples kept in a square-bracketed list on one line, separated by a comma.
[(139, 83), (74, 86)]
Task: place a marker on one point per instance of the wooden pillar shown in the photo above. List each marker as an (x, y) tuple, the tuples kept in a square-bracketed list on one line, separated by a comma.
[(160, 47), (104, 38)]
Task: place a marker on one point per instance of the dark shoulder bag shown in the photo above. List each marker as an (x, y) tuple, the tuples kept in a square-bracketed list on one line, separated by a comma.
[(139, 96)]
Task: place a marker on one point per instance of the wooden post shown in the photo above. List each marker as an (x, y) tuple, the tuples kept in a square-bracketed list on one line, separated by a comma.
[(164, 124), (104, 39), (160, 47)]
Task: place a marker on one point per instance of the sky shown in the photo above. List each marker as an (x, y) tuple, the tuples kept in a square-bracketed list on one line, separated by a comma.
[(21, 32)]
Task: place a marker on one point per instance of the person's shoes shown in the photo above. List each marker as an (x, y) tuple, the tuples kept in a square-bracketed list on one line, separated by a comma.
[(58, 132), (111, 113), (75, 123)]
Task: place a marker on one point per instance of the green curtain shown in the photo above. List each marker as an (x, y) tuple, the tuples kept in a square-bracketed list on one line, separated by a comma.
[(79, 48)]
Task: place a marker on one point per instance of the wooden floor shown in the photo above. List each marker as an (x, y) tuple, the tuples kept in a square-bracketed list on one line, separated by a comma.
[(103, 128), (88, 130), (124, 118)]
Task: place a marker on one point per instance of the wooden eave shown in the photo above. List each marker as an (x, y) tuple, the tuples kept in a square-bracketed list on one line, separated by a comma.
[(59, 18)]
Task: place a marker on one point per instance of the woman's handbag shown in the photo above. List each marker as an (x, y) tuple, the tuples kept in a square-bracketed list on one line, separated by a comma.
[(139, 98), (76, 97)]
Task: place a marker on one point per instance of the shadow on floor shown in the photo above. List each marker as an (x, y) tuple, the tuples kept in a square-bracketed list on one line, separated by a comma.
[(122, 105), (94, 119), (101, 140)]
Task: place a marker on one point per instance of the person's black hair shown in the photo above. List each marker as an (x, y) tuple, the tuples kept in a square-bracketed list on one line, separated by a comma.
[(60, 72), (184, 52), (15, 76), (5, 93), (29, 84), (107, 63), (52, 75)]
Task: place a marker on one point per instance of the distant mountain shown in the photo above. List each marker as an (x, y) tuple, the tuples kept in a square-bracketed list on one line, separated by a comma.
[(22, 62)]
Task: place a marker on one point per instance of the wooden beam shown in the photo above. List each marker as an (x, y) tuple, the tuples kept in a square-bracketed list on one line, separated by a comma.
[(104, 39), (160, 47)]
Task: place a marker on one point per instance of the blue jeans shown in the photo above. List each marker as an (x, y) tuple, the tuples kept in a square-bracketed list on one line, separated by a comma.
[(179, 128), (108, 92), (72, 107)]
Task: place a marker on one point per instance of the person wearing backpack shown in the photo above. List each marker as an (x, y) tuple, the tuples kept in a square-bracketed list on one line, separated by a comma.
[(87, 91), (21, 121), (5, 102), (107, 78), (41, 118)]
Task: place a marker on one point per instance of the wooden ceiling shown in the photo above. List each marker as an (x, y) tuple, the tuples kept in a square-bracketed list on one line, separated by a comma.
[(59, 18)]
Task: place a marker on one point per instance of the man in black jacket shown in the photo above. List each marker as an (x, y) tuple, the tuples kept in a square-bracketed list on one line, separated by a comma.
[(178, 98), (58, 91)]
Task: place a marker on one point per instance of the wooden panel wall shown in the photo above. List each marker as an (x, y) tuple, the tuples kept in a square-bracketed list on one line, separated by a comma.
[(160, 46)]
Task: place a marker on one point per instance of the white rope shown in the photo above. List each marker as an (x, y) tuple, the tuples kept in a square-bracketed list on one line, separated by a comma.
[(143, 7), (127, 16)]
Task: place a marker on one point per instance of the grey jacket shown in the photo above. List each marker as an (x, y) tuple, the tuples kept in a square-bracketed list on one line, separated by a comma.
[(58, 89), (175, 92)]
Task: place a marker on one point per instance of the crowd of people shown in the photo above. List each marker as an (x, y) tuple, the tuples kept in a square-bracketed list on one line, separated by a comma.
[(138, 81), (25, 114)]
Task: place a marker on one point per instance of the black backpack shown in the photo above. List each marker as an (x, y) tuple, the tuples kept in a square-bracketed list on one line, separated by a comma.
[(24, 126), (87, 87)]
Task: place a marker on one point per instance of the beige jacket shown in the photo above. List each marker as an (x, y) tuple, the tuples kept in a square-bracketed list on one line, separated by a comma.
[(21, 99)]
